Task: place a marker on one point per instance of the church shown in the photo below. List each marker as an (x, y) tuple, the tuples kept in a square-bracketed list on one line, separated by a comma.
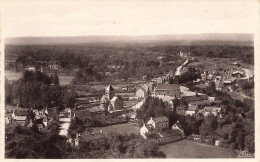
[(110, 102)]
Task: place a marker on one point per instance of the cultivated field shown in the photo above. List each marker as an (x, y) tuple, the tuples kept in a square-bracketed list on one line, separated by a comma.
[(120, 128), (190, 149)]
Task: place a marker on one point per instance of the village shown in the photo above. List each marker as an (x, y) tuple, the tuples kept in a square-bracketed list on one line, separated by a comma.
[(118, 108)]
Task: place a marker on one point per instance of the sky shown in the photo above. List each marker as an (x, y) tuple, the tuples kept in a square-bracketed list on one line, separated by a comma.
[(128, 17)]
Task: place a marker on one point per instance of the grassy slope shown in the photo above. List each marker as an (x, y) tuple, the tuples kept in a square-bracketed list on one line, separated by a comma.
[(190, 149)]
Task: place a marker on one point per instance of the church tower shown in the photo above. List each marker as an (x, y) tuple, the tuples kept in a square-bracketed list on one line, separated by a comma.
[(109, 92)]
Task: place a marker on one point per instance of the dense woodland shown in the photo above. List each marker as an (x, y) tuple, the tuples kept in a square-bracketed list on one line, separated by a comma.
[(38, 90)]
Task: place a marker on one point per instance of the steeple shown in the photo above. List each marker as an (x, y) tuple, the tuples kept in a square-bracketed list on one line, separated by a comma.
[(109, 92)]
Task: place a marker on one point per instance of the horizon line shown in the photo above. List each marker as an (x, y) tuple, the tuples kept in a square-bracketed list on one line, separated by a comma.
[(124, 35)]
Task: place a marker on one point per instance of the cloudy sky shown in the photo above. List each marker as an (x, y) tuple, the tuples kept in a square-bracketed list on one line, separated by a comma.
[(128, 17)]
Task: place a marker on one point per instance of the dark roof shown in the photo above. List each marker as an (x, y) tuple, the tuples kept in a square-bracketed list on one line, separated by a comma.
[(82, 113), (110, 88), (170, 133), (192, 98), (202, 103), (21, 113), (192, 108), (167, 87), (208, 109), (160, 119), (202, 86), (91, 137)]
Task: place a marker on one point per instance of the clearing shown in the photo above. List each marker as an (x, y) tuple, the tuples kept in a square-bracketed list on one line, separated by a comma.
[(191, 149), (120, 128)]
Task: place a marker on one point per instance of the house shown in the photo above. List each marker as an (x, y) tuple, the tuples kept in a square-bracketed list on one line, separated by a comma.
[(170, 90), (218, 83), (169, 136), (97, 139), (144, 131), (158, 129), (20, 117), (212, 110), (204, 76), (158, 124), (160, 80), (191, 110), (141, 93), (178, 126), (211, 99)]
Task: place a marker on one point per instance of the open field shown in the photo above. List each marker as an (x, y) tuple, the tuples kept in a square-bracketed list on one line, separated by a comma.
[(190, 149), (13, 75), (64, 80), (120, 128)]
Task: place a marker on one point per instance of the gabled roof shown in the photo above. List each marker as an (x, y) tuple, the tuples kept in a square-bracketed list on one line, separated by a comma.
[(114, 98), (142, 89), (104, 99), (145, 87), (160, 119), (178, 124)]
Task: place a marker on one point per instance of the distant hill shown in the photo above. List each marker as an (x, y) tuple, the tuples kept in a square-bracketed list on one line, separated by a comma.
[(179, 39)]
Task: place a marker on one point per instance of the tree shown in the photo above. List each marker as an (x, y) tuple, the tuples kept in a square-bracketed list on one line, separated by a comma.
[(56, 79), (209, 125)]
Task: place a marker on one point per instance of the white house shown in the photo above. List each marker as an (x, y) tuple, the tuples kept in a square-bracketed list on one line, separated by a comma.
[(140, 93), (143, 131), (177, 126)]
